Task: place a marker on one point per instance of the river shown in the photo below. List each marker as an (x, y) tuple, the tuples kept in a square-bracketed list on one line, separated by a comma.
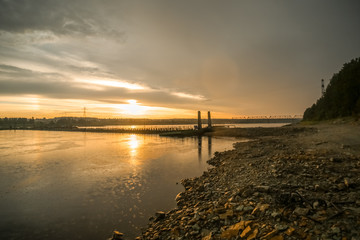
[(81, 185)]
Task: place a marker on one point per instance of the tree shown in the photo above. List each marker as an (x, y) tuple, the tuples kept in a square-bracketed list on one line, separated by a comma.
[(342, 95)]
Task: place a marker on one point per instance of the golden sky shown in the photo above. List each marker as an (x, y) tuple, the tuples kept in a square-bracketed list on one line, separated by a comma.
[(168, 59)]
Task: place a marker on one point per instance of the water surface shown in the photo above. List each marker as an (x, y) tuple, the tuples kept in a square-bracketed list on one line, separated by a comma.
[(78, 185)]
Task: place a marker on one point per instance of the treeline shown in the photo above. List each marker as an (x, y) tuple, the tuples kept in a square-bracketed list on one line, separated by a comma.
[(342, 95), (16, 122)]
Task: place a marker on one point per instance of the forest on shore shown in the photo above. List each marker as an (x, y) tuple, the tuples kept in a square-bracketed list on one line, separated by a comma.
[(342, 95)]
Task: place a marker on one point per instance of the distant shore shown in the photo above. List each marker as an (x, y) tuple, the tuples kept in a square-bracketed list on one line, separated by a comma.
[(293, 182), (176, 131)]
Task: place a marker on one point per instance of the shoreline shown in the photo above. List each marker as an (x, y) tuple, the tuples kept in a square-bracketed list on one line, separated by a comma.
[(293, 182)]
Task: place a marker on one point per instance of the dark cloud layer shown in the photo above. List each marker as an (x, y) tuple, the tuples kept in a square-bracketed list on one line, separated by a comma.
[(64, 17)]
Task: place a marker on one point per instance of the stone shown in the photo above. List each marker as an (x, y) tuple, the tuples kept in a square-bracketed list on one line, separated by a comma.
[(278, 237), (159, 215), (248, 209), (253, 235), (205, 232), (245, 232), (233, 230), (335, 230), (262, 188), (281, 227), (117, 235), (289, 231), (301, 211), (228, 213), (196, 227), (264, 207), (275, 214), (175, 231), (241, 208), (208, 237), (269, 235)]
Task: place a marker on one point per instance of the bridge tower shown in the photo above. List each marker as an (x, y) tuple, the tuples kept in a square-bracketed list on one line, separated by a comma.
[(199, 120), (209, 120)]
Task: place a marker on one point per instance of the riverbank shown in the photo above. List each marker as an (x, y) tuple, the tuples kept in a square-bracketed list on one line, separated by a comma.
[(294, 182)]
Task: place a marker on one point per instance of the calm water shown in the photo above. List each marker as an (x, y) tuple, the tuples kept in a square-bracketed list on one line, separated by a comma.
[(73, 185)]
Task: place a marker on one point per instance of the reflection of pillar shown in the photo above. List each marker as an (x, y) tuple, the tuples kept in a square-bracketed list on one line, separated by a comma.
[(209, 120), (209, 146), (199, 120), (199, 147)]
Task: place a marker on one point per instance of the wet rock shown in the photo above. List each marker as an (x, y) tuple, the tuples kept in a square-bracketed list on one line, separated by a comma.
[(253, 235), (117, 235), (159, 215), (269, 235), (281, 227), (301, 211), (248, 209), (290, 231), (246, 232)]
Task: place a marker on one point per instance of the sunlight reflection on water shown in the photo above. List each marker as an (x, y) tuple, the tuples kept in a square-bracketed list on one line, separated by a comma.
[(64, 185)]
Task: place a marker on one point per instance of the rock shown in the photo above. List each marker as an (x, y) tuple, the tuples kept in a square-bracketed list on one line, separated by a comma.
[(278, 237), (241, 208), (253, 235), (159, 215), (281, 227), (205, 232), (196, 227), (335, 230), (248, 208), (117, 235), (269, 235), (228, 213), (245, 232), (208, 237), (275, 214), (233, 230), (262, 188), (289, 231), (301, 211)]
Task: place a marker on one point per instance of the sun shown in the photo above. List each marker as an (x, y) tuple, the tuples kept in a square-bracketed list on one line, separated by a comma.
[(133, 108)]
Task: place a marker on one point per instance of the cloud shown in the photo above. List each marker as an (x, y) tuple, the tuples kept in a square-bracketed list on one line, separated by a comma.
[(65, 17), (19, 81)]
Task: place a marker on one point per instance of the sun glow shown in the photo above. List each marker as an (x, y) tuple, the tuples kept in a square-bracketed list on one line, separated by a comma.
[(133, 108), (134, 143)]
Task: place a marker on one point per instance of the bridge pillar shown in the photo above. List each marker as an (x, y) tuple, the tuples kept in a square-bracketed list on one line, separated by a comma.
[(209, 120), (199, 120)]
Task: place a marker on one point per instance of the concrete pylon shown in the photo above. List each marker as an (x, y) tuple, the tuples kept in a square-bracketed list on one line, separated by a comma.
[(209, 120), (199, 120)]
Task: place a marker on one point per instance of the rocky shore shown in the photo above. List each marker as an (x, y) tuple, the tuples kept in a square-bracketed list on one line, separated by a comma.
[(296, 182)]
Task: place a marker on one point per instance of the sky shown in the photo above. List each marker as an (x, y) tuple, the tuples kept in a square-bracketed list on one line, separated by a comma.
[(169, 59)]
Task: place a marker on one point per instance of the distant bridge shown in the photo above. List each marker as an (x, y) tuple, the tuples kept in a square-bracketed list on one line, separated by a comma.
[(271, 117)]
